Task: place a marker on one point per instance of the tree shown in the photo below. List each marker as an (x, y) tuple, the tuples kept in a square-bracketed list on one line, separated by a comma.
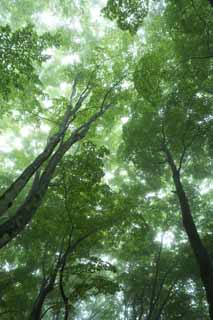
[(174, 126), (105, 137), (56, 267)]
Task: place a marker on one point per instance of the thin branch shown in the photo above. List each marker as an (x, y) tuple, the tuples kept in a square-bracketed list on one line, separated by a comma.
[(49, 308), (44, 118), (199, 57), (166, 300), (110, 90), (182, 158), (162, 284), (61, 286), (154, 286), (142, 305)]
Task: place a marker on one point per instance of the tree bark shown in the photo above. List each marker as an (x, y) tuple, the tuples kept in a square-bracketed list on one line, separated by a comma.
[(37, 307), (202, 257), (26, 211), (7, 198)]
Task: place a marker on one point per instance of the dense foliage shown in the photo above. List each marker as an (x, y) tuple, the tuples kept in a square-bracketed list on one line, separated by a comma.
[(106, 156)]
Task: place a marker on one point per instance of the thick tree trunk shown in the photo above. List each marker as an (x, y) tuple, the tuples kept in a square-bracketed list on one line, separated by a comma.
[(26, 211), (202, 257), (7, 198), (15, 188)]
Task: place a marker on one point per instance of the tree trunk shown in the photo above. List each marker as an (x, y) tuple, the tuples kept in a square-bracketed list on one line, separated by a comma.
[(44, 291), (202, 257), (7, 198), (16, 187), (48, 285), (26, 211)]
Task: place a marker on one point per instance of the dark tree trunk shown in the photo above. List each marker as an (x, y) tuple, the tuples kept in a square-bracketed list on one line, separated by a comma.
[(37, 307), (202, 257)]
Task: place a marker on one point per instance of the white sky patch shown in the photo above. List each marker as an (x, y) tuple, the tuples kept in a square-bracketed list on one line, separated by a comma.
[(8, 266), (95, 13), (123, 172), (142, 35), (205, 186), (47, 103), (199, 94), (77, 40), (5, 143), (16, 113), (75, 24), (49, 19), (124, 120), (125, 84), (167, 237), (161, 194), (45, 128), (49, 51), (37, 146), (9, 164), (25, 131), (99, 128), (9, 142), (133, 49), (190, 287), (36, 272), (108, 176), (64, 86), (72, 58), (17, 143), (107, 258)]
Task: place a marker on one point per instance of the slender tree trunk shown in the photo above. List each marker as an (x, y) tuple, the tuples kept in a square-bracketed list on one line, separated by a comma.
[(46, 288), (61, 286), (202, 257), (48, 285), (154, 284)]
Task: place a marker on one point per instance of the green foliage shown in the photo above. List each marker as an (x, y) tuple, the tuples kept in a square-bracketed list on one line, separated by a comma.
[(21, 51), (111, 198), (129, 15)]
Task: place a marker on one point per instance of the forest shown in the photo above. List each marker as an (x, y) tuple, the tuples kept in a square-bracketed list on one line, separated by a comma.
[(106, 159)]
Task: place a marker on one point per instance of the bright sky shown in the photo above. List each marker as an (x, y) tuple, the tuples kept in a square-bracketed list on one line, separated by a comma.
[(9, 141), (167, 238)]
